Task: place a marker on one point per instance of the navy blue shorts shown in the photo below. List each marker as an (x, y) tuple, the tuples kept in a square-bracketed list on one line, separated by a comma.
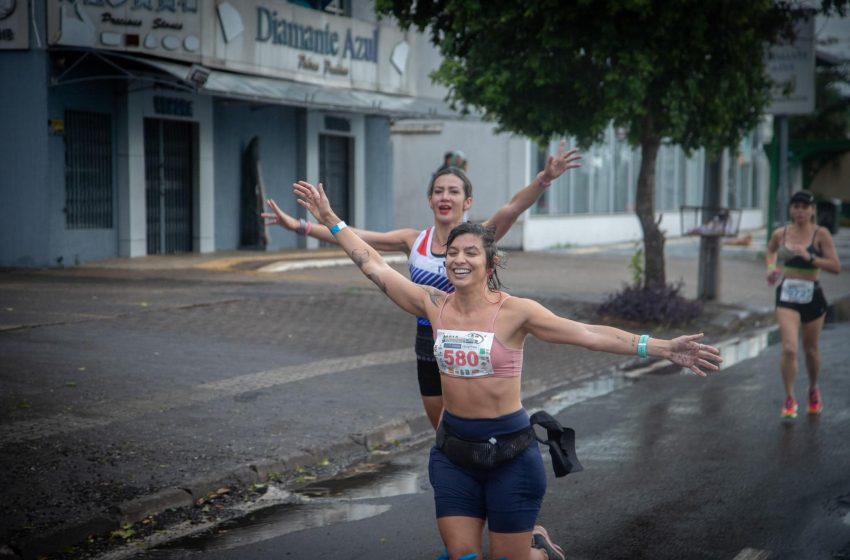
[(508, 497)]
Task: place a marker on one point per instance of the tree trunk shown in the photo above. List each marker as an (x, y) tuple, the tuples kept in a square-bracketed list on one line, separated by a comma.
[(653, 238)]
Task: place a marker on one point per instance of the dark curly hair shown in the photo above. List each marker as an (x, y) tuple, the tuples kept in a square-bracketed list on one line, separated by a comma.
[(494, 256)]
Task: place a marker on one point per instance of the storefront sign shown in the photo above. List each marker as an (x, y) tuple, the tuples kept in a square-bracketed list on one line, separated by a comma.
[(259, 37), (14, 24), (319, 41), (170, 28), (792, 68)]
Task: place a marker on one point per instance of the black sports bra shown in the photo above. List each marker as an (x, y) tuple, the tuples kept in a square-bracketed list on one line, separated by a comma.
[(796, 261)]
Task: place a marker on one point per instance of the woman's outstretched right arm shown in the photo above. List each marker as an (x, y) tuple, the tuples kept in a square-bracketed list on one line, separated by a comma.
[(413, 298), (396, 240)]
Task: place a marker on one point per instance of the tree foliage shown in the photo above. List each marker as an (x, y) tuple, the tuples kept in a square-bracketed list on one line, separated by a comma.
[(689, 72)]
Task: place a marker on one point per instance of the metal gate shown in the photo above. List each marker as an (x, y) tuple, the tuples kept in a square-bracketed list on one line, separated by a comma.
[(169, 164), (335, 156)]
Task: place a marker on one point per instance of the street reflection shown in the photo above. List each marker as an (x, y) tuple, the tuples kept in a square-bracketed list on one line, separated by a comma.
[(340, 500)]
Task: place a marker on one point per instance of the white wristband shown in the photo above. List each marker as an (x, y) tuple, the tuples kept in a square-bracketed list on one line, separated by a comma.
[(339, 227)]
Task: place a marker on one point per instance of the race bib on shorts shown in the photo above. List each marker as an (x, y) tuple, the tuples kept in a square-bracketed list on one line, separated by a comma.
[(797, 291), (464, 353)]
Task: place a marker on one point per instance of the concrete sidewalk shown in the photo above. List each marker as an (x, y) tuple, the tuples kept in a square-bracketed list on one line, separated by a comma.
[(133, 387)]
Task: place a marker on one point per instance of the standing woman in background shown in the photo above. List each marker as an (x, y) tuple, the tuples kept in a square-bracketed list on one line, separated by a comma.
[(795, 255), (449, 197)]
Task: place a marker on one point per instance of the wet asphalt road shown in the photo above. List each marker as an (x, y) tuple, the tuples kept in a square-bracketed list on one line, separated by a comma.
[(676, 467), (145, 379)]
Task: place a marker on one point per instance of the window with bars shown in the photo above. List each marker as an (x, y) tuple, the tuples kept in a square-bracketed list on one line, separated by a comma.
[(88, 170)]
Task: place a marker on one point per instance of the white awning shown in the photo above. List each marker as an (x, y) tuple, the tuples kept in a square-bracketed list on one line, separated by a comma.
[(286, 92)]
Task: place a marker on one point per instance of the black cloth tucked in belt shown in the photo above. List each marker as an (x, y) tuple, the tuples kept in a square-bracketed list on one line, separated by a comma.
[(561, 442)]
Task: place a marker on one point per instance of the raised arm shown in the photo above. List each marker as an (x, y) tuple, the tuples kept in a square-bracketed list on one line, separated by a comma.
[(507, 215), (770, 257), (411, 297), (684, 351), (396, 240)]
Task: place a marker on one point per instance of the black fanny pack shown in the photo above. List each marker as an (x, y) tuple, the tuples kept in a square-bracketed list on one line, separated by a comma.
[(489, 454), (484, 455)]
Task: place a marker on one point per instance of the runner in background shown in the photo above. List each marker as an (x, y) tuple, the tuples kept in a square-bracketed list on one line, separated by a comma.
[(795, 255)]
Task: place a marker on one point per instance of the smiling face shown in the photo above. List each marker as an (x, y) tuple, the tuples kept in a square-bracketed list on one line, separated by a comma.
[(466, 261), (448, 198)]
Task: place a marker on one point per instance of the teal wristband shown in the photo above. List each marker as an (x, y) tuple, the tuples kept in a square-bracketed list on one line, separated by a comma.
[(641, 349), (339, 227)]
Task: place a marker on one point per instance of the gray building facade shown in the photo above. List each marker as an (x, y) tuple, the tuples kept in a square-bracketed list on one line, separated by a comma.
[(134, 128)]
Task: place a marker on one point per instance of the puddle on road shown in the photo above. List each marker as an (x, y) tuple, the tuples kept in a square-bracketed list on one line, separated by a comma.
[(584, 390), (329, 502), (268, 524)]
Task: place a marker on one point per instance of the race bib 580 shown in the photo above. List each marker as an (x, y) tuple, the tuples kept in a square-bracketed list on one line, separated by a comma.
[(464, 353)]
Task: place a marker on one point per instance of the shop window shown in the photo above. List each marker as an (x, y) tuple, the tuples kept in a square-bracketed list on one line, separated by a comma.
[(88, 170)]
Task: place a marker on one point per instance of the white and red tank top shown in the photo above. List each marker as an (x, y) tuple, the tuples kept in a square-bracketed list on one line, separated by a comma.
[(427, 268)]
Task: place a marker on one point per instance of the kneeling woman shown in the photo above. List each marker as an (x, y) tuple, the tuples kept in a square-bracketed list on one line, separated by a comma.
[(479, 334)]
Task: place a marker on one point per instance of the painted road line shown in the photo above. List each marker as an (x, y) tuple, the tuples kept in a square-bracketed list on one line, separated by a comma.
[(119, 411), (752, 554), (321, 263)]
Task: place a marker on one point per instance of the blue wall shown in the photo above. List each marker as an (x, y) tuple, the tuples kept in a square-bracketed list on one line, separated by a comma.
[(379, 175), (77, 246), (25, 200), (235, 125)]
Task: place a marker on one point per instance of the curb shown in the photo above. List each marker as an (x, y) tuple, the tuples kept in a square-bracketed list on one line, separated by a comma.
[(347, 451)]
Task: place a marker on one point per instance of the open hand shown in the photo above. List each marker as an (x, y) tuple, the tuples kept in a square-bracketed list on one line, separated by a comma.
[(686, 352), (314, 200), (278, 217), (561, 161)]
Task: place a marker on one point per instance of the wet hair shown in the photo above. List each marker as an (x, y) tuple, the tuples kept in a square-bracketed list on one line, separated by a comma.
[(457, 172), (494, 257)]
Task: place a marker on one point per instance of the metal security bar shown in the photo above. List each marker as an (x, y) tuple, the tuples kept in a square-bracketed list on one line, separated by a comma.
[(88, 170), (169, 157)]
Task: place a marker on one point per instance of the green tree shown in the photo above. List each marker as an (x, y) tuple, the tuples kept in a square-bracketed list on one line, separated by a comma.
[(689, 72)]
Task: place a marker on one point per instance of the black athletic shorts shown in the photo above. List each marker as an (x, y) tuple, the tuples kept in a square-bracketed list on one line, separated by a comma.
[(808, 311), (426, 365)]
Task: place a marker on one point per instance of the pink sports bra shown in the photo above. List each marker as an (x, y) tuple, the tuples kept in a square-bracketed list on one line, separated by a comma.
[(471, 353)]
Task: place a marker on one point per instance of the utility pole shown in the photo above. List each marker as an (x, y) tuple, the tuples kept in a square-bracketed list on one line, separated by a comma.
[(708, 287), (782, 194)]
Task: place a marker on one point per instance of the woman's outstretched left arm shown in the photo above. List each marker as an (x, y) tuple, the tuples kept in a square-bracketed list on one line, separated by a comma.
[(685, 350)]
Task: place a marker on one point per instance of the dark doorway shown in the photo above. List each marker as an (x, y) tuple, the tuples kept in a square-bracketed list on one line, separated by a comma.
[(169, 184), (335, 173)]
